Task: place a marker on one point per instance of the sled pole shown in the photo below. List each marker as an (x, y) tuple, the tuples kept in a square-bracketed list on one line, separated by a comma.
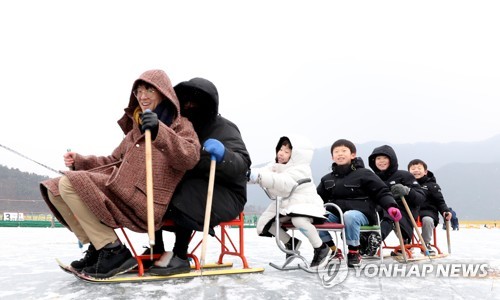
[(208, 211), (420, 238), (448, 240), (38, 163), (401, 242), (149, 193)]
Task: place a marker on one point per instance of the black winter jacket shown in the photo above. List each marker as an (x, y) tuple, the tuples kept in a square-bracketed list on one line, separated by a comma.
[(393, 176), (230, 190), (434, 200), (353, 187)]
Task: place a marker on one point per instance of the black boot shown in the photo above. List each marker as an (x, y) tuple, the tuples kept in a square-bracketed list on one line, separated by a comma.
[(373, 243), (353, 259), (90, 258), (176, 265), (292, 244), (111, 262), (321, 255)]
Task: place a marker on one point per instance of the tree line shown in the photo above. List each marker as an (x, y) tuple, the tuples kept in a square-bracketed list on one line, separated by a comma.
[(18, 185)]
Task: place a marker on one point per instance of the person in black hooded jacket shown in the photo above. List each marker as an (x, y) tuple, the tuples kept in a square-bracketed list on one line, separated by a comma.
[(199, 102), (434, 202), (384, 162)]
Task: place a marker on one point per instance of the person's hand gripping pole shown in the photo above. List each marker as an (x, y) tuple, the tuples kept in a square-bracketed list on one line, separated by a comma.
[(147, 126), (396, 216), (447, 217)]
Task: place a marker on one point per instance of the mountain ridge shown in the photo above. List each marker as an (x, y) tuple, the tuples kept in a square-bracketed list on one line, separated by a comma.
[(453, 164), (466, 171)]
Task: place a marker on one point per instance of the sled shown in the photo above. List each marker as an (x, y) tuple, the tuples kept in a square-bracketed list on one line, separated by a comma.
[(227, 248), (208, 270), (400, 258), (66, 268), (415, 246), (146, 278), (294, 254)]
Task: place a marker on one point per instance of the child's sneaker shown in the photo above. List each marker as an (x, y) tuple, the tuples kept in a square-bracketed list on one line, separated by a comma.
[(353, 258), (321, 255), (336, 254), (90, 258), (432, 252), (111, 262), (289, 246), (373, 243)]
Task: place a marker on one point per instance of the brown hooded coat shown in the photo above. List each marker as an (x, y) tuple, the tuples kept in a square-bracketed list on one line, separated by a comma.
[(114, 187)]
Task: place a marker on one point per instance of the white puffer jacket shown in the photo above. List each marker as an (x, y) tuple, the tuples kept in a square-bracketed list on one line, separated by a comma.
[(279, 179)]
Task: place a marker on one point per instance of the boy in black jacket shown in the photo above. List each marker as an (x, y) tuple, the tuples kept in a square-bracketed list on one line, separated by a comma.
[(357, 191), (434, 200)]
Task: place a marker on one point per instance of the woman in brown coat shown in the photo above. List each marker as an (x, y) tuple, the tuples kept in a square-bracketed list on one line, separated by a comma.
[(106, 192)]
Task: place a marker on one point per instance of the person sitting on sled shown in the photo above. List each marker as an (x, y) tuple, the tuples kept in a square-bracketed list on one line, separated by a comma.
[(384, 162), (221, 138), (106, 192), (434, 201), (357, 191), (304, 208), (454, 220)]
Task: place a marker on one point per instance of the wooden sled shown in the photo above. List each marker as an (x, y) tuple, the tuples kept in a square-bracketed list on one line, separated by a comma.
[(227, 248), (415, 246), (208, 270)]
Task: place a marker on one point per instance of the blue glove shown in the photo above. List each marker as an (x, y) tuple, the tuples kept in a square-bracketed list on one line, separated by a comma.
[(215, 148)]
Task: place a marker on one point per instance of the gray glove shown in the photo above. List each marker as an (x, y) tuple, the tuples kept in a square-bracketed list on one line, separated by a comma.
[(399, 190)]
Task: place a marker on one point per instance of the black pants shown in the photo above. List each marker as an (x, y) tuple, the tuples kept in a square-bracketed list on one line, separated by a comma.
[(387, 225)]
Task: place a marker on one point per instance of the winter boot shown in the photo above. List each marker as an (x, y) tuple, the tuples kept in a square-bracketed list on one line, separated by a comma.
[(90, 258), (373, 242), (289, 246), (176, 265), (111, 262), (363, 242), (321, 255), (353, 258)]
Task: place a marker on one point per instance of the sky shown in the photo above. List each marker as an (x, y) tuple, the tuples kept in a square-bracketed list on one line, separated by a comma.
[(393, 71)]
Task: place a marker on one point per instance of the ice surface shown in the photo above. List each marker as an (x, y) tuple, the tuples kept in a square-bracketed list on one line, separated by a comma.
[(29, 271)]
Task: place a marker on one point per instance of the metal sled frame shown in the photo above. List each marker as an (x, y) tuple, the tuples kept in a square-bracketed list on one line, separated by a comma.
[(295, 254), (228, 247), (415, 244)]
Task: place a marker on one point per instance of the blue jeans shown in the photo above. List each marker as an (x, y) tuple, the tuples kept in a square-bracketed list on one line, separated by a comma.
[(353, 220)]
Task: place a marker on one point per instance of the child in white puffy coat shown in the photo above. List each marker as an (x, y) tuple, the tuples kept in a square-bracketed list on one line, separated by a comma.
[(304, 208)]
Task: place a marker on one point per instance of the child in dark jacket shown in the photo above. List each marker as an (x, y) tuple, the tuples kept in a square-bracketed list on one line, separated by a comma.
[(357, 191), (434, 201), (384, 162)]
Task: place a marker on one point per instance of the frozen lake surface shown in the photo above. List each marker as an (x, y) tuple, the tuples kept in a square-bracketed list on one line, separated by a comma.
[(29, 271)]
